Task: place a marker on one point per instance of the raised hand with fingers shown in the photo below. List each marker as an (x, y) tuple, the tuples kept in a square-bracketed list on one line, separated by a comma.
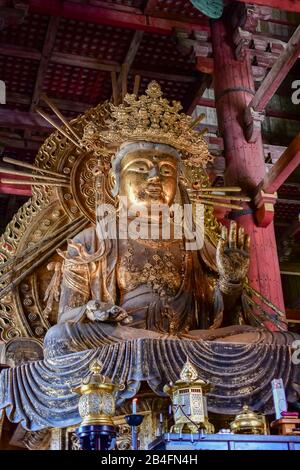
[(233, 258)]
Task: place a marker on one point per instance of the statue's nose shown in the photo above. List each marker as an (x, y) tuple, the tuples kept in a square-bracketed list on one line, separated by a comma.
[(154, 172)]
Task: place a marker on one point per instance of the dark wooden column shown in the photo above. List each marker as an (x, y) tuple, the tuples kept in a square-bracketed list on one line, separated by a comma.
[(245, 167)]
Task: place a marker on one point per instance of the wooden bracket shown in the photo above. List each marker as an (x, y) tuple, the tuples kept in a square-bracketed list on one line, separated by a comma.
[(253, 120), (264, 213), (198, 47)]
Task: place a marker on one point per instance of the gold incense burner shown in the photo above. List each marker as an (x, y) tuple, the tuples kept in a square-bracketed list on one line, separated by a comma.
[(248, 422), (97, 402), (189, 401)]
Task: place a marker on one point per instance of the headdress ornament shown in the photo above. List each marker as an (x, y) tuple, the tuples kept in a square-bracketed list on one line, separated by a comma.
[(149, 118)]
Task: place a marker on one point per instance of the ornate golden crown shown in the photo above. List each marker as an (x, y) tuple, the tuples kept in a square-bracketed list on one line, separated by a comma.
[(150, 118)]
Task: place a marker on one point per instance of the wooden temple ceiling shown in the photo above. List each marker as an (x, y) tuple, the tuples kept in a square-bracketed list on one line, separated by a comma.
[(68, 50)]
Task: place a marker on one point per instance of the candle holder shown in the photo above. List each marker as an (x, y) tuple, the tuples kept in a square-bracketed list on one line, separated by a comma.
[(134, 421)]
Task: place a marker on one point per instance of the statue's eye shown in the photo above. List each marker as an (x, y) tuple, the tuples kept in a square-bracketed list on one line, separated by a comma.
[(166, 170), (143, 168), (139, 167)]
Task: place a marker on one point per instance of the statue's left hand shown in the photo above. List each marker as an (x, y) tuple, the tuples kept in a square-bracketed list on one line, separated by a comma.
[(233, 254), (118, 314)]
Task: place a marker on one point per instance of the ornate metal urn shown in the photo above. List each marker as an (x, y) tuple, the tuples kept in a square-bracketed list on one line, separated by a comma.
[(189, 401), (248, 422)]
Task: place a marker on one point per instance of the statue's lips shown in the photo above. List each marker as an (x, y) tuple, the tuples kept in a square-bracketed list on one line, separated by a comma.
[(154, 189)]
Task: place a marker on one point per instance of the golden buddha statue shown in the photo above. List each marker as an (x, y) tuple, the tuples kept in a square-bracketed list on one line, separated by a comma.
[(148, 277), (128, 287)]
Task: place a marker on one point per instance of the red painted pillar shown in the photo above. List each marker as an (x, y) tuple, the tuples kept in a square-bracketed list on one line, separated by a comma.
[(245, 165)]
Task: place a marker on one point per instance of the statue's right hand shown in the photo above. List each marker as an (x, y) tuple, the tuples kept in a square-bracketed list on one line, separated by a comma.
[(92, 305), (97, 311), (93, 311)]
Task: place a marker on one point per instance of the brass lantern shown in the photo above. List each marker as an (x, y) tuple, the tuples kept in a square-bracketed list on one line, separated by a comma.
[(248, 422), (97, 402), (189, 401)]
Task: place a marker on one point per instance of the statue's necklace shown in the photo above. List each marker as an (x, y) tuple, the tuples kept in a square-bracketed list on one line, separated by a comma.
[(157, 269)]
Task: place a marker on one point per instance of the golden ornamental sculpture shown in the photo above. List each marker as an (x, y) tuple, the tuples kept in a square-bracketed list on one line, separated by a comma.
[(146, 150), (150, 119), (189, 402)]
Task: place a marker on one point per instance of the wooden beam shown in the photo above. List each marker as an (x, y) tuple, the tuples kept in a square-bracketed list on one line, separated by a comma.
[(294, 202), (203, 84), (278, 114), (273, 153), (14, 190), (283, 168), (128, 61), (19, 98), (21, 120), (45, 59), (69, 105), (255, 110), (112, 17), (84, 62), (60, 58), (266, 191), (291, 230), (287, 5), (290, 269), (114, 6), (277, 74), (275, 113), (157, 75), (21, 52), (11, 141), (75, 60), (133, 48), (293, 314)]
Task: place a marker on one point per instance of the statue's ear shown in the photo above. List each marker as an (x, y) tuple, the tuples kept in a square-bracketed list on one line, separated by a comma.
[(113, 183)]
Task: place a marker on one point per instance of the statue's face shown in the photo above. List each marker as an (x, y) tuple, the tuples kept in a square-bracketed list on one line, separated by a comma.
[(148, 177)]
